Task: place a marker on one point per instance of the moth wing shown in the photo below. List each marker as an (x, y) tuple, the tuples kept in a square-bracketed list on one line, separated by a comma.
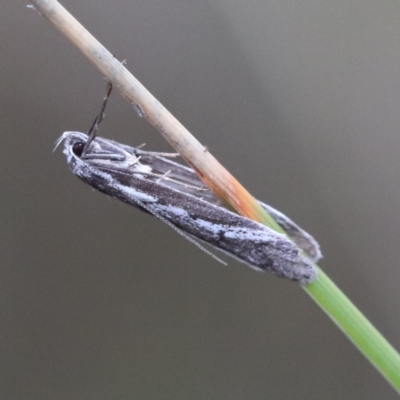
[(302, 238), (186, 180)]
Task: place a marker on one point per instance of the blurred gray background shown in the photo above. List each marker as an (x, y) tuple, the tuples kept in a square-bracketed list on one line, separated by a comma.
[(299, 100)]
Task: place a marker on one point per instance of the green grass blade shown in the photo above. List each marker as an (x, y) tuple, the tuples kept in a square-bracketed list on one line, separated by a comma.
[(356, 327)]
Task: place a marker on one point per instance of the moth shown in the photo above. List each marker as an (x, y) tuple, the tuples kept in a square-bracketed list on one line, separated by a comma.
[(174, 193)]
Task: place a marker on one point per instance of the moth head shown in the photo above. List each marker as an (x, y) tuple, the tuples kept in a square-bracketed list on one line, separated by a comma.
[(74, 143), (103, 154)]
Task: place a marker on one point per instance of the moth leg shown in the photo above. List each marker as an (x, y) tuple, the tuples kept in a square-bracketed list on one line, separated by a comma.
[(166, 178), (157, 153), (163, 177), (94, 129), (105, 156), (135, 162)]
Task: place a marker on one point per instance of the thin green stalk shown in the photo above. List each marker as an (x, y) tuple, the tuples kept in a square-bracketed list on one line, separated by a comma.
[(356, 327), (323, 291), (352, 322)]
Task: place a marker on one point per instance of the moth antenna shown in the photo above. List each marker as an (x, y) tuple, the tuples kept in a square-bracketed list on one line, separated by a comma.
[(58, 141), (176, 229)]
